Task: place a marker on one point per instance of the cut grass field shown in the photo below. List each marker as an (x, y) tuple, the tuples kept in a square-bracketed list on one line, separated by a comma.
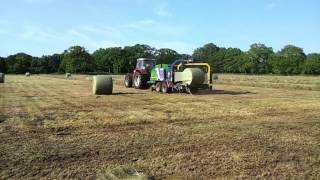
[(250, 127)]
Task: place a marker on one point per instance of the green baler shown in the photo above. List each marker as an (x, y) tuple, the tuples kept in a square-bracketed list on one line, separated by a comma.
[(182, 75)]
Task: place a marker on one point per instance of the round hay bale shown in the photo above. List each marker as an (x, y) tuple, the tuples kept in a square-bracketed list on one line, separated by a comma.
[(68, 75), (2, 76), (193, 76), (28, 74), (102, 84)]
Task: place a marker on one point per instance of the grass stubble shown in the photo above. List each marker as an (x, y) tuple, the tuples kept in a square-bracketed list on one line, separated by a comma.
[(250, 127)]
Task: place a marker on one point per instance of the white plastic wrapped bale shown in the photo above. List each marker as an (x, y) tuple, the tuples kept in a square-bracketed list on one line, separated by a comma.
[(102, 85), (191, 76), (28, 74)]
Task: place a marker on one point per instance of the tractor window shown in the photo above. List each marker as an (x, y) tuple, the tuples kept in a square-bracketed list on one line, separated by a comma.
[(139, 64), (148, 64)]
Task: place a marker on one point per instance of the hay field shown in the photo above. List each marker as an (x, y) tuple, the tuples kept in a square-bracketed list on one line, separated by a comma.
[(251, 127)]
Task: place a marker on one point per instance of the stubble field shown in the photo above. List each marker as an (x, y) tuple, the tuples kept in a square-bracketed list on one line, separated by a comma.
[(250, 127)]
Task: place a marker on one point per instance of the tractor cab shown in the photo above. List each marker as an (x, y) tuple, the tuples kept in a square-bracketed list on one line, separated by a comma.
[(144, 64)]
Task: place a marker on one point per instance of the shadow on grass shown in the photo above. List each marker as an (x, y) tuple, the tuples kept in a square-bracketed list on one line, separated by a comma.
[(125, 93), (119, 93), (220, 92), (2, 118)]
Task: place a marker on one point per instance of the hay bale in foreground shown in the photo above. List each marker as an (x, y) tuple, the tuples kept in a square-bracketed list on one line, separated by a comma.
[(68, 75), (102, 84), (2, 76), (28, 74)]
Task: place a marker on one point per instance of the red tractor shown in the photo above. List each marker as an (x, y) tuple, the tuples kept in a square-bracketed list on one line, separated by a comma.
[(141, 74)]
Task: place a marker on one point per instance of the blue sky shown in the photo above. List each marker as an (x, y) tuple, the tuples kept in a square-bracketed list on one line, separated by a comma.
[(42, 27)]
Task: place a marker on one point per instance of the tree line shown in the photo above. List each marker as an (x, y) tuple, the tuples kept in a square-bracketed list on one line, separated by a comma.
[(259, 59)]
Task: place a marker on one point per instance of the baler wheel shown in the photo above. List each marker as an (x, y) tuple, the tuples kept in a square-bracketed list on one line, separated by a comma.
[(164, 87), (158, 87)]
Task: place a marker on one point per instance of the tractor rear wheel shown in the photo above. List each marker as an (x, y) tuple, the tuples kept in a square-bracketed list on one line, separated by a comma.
[(140, 81), (164, 87), (158, 87), (128, 80)]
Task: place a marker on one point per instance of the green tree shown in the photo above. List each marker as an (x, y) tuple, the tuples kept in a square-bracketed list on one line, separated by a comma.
[(312, 64), (234, 61), (52, 62), (203, 53), (245, 64), (76, 59), (102, 60), (259, 55), (109, 60), (184, 56), (18, 63), (3, 65), (211, 54), (290, 60), (38, 65), (116, 56), (166, 56), (132, 53)]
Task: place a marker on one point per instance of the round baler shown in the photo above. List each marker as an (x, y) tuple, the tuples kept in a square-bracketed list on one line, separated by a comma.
[(181, 76)]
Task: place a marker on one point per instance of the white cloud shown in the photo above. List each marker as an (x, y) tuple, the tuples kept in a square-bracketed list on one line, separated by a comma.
[(140, 25), (179, 46), (38, 33), (271, 5), (156, 27), (163, 11), (95, 36), (78, 34), (101, 30), (147, 21), (3, 31), (38, 1)]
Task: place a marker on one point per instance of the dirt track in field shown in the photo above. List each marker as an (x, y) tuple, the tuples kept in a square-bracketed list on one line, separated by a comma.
[(53, 127)]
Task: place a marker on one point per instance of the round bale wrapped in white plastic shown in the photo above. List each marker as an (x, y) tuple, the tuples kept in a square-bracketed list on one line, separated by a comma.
[(28, 74), (2, 76), (102, 85)]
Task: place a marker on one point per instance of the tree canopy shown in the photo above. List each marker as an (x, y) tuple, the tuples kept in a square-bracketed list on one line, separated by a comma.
[(290, 60), (259, 59), (312, 65), (76, 59)]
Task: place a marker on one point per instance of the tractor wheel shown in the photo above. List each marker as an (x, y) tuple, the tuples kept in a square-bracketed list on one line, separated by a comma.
[(158, 87), (164, 87), (128, 80), (140, 81)]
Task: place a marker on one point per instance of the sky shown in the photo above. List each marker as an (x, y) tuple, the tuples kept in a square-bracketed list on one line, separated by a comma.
[(43, 27)]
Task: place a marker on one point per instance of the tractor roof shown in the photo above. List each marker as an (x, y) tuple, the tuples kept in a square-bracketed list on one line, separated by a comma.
[(145, 59)]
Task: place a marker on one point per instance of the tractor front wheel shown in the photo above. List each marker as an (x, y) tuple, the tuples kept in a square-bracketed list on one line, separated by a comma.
[(140, 81), (128, 80)]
